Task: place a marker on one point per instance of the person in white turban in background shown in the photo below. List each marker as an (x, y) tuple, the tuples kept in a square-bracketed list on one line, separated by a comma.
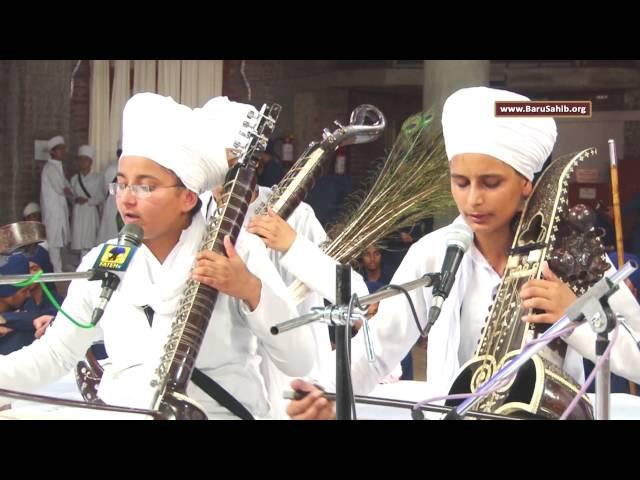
[(492, 165), (54, 191), (110, 220), (88, 194), (32, 212), (170, 157)]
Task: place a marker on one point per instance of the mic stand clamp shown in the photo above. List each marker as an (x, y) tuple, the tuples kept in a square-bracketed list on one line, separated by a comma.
[(340, 316), (596, 310)]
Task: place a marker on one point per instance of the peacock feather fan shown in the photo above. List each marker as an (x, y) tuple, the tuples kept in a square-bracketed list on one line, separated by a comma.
[(411, 185)]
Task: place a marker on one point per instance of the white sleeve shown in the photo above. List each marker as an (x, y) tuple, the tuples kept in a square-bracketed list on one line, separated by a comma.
[(59, 349), (304, 221), (317, 270), (292, 351), (625, 354), (53, 180)]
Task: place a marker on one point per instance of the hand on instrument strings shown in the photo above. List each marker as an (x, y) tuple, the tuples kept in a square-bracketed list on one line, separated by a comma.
[(313, 406), (274, 231), (551, 295), (228, 274)]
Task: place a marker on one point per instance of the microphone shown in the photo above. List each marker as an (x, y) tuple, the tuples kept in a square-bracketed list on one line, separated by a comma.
[(115, 258), (459, 240)]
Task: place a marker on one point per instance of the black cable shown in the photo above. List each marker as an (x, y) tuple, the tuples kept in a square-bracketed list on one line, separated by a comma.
[(354, 300), (422, 331)]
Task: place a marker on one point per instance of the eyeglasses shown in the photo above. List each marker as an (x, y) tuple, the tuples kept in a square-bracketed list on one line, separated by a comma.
[(140, 191)]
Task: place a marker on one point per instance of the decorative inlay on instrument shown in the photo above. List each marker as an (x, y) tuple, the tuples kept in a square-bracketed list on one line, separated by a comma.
[(567, 239)]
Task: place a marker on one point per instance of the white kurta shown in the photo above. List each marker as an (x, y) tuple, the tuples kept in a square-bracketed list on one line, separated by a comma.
[(450, 340), (228, 353), (55, 211), (85, 218), (108, 224)]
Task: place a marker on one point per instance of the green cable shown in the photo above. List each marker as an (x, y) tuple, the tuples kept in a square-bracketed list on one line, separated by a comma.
[(51, 298)]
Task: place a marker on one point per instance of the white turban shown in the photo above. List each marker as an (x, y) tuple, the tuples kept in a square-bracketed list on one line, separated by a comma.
[(469, 125), (31, 208), (55, 141), (87, 151), (171, 135), (226, 119)]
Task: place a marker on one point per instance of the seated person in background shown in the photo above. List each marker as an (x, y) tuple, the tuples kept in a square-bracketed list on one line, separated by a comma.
[(38, 302), (372, 269), (18, 328), (32, 213)]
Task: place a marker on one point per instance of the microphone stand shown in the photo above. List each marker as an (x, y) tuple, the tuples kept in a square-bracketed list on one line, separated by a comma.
[(343, 346), (594, 307), (339, 316), (335, 314)]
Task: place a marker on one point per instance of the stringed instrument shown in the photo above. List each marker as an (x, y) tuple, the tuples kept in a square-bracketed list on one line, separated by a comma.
[(194, 311), (568, 240)]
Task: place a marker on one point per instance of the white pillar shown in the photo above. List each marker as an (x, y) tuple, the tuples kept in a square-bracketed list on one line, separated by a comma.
[(441, 79)]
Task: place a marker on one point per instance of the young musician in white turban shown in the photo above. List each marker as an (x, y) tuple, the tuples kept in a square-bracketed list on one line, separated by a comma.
[(54, 191), (293, 249), (492, 164), (88, 196), (168, 159)]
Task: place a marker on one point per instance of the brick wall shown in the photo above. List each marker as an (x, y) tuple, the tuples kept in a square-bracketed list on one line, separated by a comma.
[(397, 106), (36, 107), (306, 112)]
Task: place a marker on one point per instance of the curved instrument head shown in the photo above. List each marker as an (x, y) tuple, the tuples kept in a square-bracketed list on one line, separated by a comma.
[(366, 124)]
